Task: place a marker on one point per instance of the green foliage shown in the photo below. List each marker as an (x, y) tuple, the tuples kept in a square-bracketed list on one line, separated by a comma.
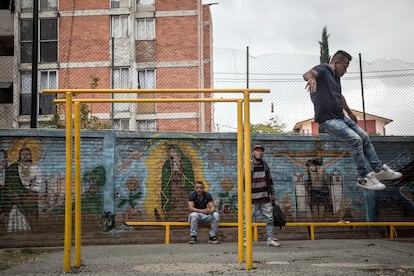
[(55, 120), (271, 127), (87, 120), (324, 46)]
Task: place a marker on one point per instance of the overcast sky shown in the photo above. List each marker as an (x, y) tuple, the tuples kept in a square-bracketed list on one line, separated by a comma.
[(283, 34), (374, 28)]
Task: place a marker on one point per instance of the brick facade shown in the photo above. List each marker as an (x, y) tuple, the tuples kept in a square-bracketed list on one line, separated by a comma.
[(179, 55)]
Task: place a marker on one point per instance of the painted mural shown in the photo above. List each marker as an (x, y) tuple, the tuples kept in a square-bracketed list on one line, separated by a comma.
[(21, 187), (30, 190), (150, 179)]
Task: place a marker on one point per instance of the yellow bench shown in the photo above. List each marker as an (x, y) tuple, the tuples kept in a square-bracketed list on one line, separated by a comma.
[(311, 226)]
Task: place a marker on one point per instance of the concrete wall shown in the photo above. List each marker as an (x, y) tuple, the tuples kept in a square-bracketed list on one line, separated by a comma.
[(143, 176)]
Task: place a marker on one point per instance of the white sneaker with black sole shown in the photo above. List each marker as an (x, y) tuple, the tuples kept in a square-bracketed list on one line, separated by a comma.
[(370, 182), (386, 173)]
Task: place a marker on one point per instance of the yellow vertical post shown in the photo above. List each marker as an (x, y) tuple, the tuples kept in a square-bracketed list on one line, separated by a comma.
[(68, 191), (255, 233), (167, 233), (78, 212), (240, 181), (312, 232), (248, 184)]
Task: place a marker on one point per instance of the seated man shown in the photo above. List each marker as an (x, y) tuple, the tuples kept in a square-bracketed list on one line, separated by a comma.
[(202, 209)]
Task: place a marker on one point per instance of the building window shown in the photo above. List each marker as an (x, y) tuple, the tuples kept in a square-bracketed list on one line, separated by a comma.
[(120, 26), (45, 5), (145, 2), (48, 5), (6, 92), (115, 4), (146, 80), (47, 41), (145, 29), (48, 80), (26, 37), (26, 5), (146, 125), (121, 80), (25, 96), (121, 124)]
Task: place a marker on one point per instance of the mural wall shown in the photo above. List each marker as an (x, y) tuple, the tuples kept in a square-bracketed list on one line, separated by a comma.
[(131, 176)]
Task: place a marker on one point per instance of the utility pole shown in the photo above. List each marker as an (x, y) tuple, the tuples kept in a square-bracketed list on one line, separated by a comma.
[(35, 38)]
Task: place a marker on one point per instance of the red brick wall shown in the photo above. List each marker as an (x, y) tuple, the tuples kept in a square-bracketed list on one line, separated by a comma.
[(171, 5), (69, 5), (84, 39)]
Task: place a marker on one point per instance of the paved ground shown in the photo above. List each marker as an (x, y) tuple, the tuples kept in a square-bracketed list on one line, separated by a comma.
[(294, 257)]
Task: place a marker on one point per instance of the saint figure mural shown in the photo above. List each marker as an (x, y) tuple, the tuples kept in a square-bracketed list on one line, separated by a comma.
[(22, 186)]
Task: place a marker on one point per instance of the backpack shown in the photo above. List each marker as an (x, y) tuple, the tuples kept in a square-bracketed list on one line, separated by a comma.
[(279, 218)]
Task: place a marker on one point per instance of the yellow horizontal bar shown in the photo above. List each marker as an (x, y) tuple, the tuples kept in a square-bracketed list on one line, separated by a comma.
[(181, 223), (333, 224), (154, 100), (172, 90), (289, 224), (310, 225)]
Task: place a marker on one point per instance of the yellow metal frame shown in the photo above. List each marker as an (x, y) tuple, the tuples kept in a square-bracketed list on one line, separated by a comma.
[(310, 225), (243, 131)]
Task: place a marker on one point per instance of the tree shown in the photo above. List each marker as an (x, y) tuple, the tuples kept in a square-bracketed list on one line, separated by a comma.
[(325, 57), (271, 127)]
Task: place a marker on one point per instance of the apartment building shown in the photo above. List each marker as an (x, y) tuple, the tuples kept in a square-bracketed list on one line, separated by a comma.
[(115, 44)]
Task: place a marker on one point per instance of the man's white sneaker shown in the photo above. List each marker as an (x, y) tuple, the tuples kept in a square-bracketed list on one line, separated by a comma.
[(370, 182), (386, 173), (271, 242)]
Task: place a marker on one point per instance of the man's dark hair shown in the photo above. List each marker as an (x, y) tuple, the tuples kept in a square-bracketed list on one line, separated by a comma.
[(341, 56)]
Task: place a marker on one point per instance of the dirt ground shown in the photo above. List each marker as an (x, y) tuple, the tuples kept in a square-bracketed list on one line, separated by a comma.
[(11, 257)]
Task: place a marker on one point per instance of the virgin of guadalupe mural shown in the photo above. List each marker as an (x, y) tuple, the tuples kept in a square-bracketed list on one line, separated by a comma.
[(22, 185), (176, 183)]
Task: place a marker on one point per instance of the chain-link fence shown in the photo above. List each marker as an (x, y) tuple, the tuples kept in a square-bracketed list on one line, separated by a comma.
[(386, 90), (387, 87)]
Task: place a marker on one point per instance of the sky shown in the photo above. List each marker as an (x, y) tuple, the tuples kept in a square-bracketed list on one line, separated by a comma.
[(374, 28), (281, 32)]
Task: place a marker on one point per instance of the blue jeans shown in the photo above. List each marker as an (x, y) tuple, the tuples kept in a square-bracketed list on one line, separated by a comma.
[(194, 218), (358, 141), (263, 211)]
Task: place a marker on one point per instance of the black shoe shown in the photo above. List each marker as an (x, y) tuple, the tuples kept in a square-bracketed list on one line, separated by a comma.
[(193, 240), (213, 240)]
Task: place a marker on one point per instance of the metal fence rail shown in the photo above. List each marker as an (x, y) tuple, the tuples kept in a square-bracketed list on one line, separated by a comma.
[(387, 85)]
